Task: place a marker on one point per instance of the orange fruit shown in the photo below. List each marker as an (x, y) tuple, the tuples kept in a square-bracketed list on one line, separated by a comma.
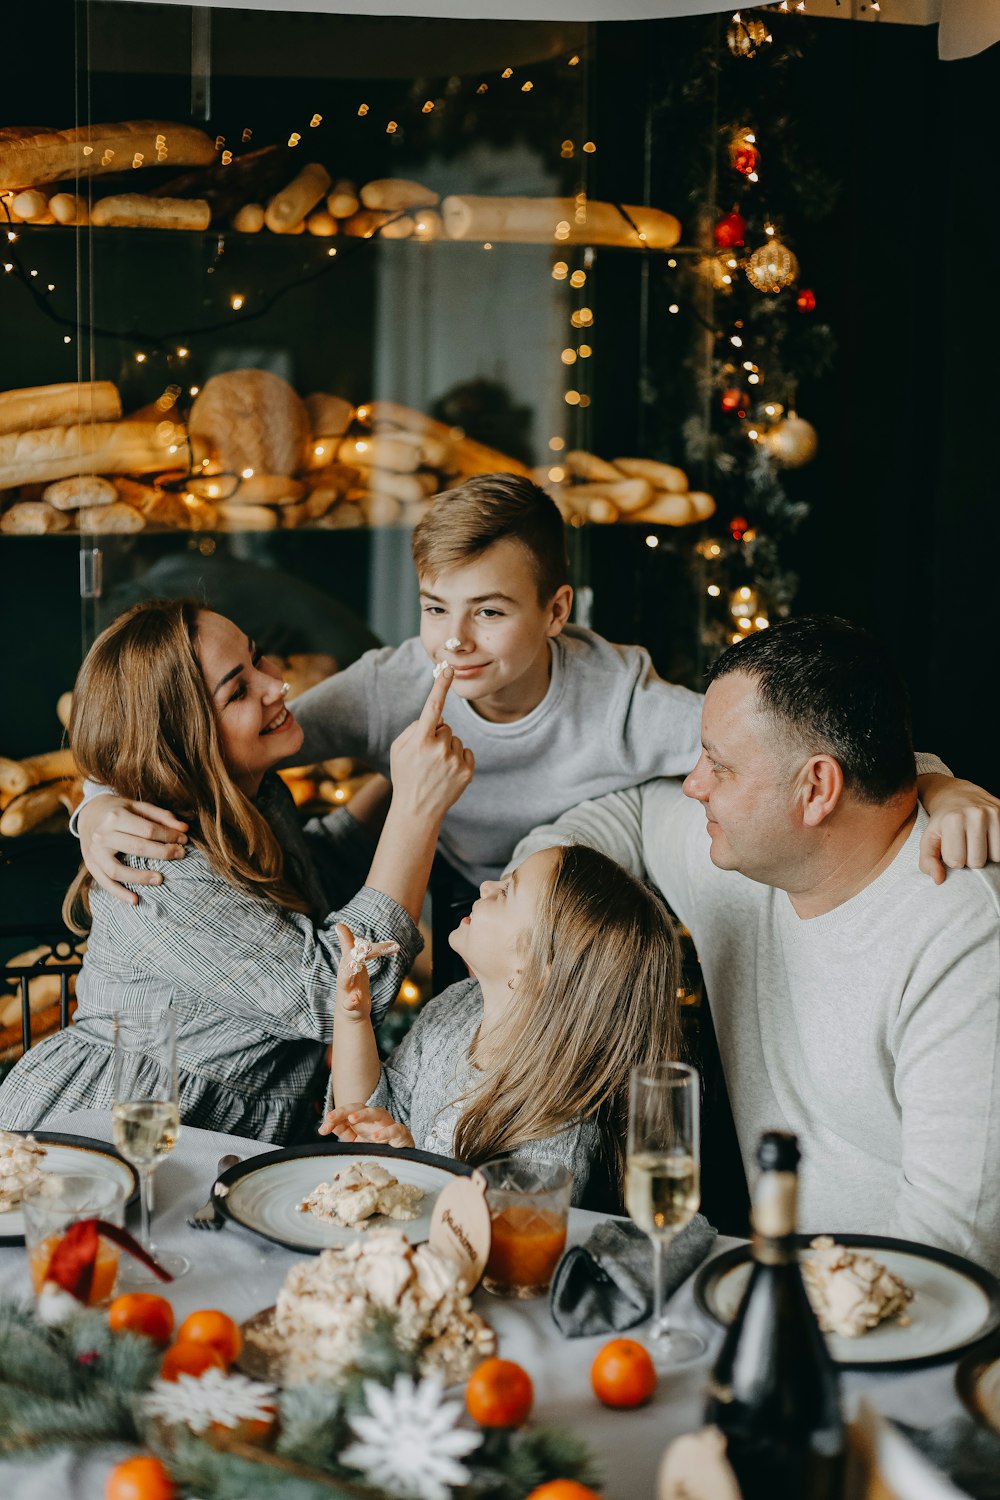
[(190, 1359), (142, 1312), (499, 1394), (216, 1329), (623, 1374), (563, 1489), (142, 1478)]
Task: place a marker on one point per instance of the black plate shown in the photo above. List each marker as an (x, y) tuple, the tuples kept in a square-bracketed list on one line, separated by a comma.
[(319, 1148), (713, 1271), (84, 1143)]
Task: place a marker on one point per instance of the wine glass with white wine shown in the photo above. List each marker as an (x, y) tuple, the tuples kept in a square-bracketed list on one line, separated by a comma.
[(663, 1183), (145, 1117)]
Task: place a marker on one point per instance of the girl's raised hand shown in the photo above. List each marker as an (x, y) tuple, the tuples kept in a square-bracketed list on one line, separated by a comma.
[(430, 766), (354, 996), (362, 1122)]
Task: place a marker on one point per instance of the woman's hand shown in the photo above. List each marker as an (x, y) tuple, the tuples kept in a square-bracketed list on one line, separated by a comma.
[(963, 827), (430, 766), (363, 1122), (109, 826)]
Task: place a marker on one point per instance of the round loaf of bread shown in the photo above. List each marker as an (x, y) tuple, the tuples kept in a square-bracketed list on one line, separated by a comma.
[(250, 419)]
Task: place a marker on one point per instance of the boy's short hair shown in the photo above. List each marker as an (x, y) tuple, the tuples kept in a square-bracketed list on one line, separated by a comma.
[(463, 522)]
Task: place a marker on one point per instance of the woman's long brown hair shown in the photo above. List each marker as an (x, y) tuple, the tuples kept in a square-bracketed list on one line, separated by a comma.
[(143, 722), (596, 996)]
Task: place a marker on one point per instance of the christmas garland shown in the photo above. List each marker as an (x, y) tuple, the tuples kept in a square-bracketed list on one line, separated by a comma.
[(80, 1384)]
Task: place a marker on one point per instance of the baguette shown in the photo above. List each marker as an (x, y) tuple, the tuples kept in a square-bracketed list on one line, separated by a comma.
[(288, 208), (589, 466), (269, 489), (233, 517), (33, 157), (243, 182), (382, 451), (31, 808), (703, 505), (16, 776), (602, 510), (35, 406), (80, 490), (556, 221), (661, 476), (410, 489), (343, 201), (143, 211), (396, 193), (33, 518), (665, 510), (624, 494), (88, 448)]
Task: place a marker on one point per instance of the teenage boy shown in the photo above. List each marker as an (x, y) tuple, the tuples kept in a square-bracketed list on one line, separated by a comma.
[(553, 713)]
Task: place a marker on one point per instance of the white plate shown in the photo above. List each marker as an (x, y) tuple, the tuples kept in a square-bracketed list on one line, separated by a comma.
[(955, 1303), (263, 1193), (72, 1153)]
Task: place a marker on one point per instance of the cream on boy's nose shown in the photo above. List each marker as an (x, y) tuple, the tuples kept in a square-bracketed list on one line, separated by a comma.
[(452, 644)]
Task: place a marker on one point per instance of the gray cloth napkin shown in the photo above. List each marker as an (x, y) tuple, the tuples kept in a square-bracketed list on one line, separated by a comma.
[(606, 1285)]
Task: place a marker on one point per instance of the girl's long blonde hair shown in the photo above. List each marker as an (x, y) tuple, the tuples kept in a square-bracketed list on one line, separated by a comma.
[(596, 996), (143, 722)]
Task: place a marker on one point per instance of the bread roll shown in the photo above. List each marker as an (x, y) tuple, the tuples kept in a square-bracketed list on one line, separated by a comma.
[(589, 466), (381, 451), (33, 518), (142, 211), (665, 510), (395, 193), (366, 223), (117, 518), (703, 505), (64, 707), (30, 206), (80, 490), (88, 448), (33, 157), (249, 219), (427, 224), (624, 494), (288, 208), (347, 515), (321, 224), (329, 416), (602, 510), (409, 489), (37, 406), (661, 476), (379, 508), (343, 201), (269, 489), (68, 208), (235, 517)]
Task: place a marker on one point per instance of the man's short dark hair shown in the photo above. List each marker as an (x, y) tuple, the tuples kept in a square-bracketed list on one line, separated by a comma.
[(834, 686)]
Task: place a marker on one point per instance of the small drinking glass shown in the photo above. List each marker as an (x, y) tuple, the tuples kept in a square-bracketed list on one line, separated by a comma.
[(528, 1209), (58, 1200), (663, 1183), (145, 1118)]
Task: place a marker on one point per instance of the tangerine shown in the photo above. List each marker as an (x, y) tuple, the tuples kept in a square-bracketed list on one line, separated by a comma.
[(142, 1478), (216, 1329), (499, 1394), (563, 1489), (142, 1312), (623, 1374), (190, 1359)]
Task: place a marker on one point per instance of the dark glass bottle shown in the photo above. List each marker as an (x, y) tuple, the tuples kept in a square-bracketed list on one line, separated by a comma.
[(774, 1390)]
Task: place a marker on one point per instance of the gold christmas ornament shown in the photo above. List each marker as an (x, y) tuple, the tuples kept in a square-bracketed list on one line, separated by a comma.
[(772, 267), (743, 602), (745, 37), (719, 271), (791, 442)]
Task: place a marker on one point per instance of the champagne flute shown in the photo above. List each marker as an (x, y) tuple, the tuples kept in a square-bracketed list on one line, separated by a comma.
[(145, 1117), (662, 1183)]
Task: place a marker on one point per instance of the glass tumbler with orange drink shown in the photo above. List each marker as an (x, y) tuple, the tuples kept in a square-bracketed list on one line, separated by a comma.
[(528, 1208), (56, 1202)]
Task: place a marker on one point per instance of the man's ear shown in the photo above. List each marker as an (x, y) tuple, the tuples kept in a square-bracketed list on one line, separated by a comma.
[(821, 786), (559, 609)]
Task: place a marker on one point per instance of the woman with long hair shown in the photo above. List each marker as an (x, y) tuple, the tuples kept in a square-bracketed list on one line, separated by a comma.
[(574, 968), (175, 705)]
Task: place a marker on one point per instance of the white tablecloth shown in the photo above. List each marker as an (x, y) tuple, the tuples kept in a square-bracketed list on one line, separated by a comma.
[(241, 1273)]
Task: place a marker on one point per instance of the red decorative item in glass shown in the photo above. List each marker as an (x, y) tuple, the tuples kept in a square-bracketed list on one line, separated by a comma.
[(805, 301), (731, 231), (744, 159), (733, 399), (738, 526)]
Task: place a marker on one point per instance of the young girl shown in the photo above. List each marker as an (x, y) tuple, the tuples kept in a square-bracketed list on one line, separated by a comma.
[(174, 704), (575, 969)]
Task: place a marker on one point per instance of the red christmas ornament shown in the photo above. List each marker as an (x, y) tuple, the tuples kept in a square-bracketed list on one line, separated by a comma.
[(733, 399), (737, 526), (806, 300), (731, 231), (744, 159)]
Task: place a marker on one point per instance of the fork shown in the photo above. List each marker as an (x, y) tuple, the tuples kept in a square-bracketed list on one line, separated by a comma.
[(208, 1216)]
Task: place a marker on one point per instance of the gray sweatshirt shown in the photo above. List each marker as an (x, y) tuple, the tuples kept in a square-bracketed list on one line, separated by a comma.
[(871, 1031)]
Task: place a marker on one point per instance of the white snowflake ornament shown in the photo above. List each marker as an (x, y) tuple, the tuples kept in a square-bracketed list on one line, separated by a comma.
[(408, 1442), (199, 1400)]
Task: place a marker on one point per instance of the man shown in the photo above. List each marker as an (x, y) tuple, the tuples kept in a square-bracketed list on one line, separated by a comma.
[(855, 1001)]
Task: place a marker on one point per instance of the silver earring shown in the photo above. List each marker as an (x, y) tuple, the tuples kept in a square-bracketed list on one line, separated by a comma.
[(452, 644), (286, 688)]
